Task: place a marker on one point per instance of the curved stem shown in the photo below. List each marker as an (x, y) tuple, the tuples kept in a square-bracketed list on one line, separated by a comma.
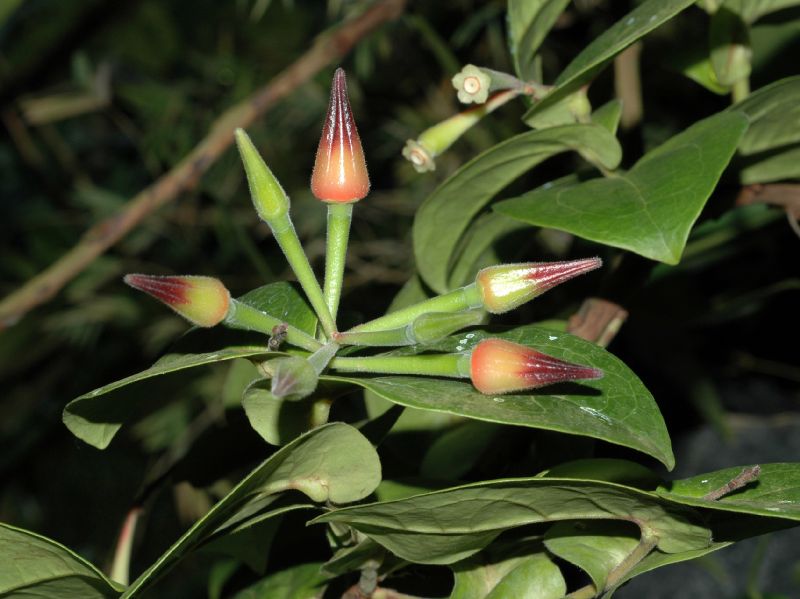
[(339, 217), (286, 236), (646, 544), (449, 365), (460, 299)]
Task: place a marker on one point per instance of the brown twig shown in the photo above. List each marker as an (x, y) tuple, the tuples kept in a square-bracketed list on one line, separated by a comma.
[(597, 320), (745, 477), (325, 50)]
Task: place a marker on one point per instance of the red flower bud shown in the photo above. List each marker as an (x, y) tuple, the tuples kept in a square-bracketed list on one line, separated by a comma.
[(508, 286), (498, 366), (340, 171), (203, 301)]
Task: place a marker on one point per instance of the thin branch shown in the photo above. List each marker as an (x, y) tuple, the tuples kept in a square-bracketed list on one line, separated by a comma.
[(326, 50)]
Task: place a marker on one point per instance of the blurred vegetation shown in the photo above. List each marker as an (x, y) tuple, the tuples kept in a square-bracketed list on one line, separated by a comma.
[(99, 97)]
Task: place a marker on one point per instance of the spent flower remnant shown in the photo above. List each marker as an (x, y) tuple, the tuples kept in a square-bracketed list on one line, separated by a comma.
[(340, 170), (499, 366)]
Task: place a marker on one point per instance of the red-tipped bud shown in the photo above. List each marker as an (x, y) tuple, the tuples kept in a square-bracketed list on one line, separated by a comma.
[(340, 171), (498, 366), (508, 286), (203, 301)]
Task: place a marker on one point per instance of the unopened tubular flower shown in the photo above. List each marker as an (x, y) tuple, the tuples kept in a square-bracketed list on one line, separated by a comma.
[(340, 170), (203, 301), (498, 366), (507, 286)]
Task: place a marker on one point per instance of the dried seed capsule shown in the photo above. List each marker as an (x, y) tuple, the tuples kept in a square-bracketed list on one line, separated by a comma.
[(499, 366), (203, 301)]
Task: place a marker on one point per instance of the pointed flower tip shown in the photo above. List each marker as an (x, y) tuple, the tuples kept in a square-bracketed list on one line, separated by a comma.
[(340, 170), (508, 286), (203, 301), (499, 366)]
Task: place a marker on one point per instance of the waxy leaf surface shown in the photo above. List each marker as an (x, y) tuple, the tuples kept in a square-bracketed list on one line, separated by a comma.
[(616, 408), (650, 209), (445, 215)]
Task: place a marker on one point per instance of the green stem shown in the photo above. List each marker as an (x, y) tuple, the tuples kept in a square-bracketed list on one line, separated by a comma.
[(449, 365), (245, 316), (286, 236), (460, 299), (740, 89), (388, 338), (587, 592), (646, 544), (339, 217)]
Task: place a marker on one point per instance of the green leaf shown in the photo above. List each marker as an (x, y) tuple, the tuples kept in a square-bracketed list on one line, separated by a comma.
[(284, 302), (774, 116), (695, 64), (445, 215), (596, 547), (608, 470), (95, 419), (529, 22), (298, 582), (772, 166), (617, 408), (752, 10), (775, 493), (277, 421), (608, 115), (456, 451), (638, 23), (500, 575), (34, 566), (650, 209), (445, 526), (333, 463), (350, 559), (729, 39)]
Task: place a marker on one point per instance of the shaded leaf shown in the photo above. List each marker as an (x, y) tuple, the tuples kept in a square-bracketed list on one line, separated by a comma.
[(456, 451), (331, 463), (638, 23), (774, 115), (529, 21), (778, 165), (608, 115), (276, 420), (533, 576), (285, 302), (651, 208), (445, 215), (617, 408), (729, 39), (34, 566), (444, 526), (596, 547), (304, 581)]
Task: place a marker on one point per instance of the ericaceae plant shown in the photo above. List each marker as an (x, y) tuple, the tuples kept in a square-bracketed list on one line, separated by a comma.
[(397, 476)]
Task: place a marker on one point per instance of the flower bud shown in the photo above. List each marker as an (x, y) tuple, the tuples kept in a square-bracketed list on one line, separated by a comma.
[(340, 171), (293, 378), (507, 286), (203, 301), (472, 84), (433, 326), (498, 366), (269, 199)]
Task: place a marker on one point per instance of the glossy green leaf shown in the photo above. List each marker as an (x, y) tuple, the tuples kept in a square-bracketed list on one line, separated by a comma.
[(608, 115), (729, 40), (445, 526), (617, 408), (34, 566), (333, 463), (445, 215), (277, 421), (777, 165), (639, 22), (596, 547), (298, 582), (774, 114), (284, 302), (529, 21), (775, 493), (492, 576), (650, 209), (95, 418)]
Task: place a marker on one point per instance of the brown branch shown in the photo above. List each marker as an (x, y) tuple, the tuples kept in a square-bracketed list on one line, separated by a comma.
[(325, 50), (597, 320)]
